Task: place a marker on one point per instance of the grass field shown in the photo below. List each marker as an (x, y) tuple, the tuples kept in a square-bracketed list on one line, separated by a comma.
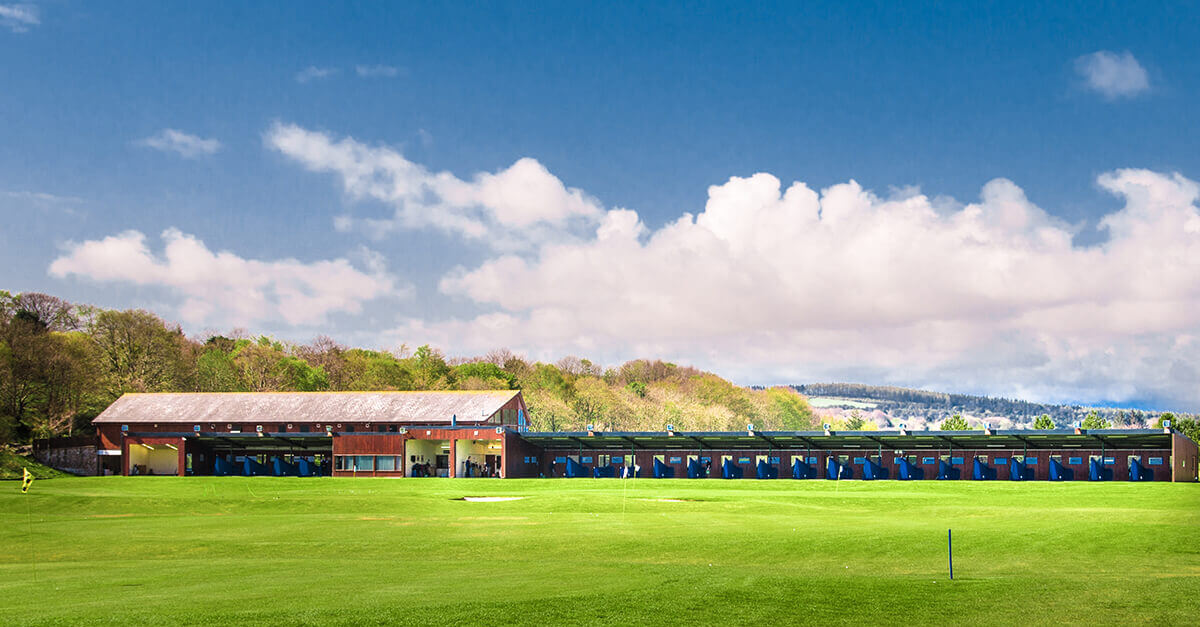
[(140, 550)]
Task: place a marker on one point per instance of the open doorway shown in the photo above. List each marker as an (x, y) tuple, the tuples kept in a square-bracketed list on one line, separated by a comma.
[(153, 459)]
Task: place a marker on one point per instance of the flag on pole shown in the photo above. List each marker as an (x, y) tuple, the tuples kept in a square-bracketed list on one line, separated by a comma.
[(26, 480)]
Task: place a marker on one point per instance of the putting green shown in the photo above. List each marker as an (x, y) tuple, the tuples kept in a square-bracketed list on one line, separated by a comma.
[(141, 550)]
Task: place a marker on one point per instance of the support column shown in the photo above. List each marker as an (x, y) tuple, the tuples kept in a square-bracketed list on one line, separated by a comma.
[(504, 455), (182, 467), (453, 457)]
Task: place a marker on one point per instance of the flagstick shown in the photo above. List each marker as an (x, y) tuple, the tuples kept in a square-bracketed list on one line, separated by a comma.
[(29, 522)]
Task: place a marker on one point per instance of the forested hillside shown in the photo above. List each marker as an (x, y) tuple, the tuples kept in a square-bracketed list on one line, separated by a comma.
[(920, 407), (61, 364)]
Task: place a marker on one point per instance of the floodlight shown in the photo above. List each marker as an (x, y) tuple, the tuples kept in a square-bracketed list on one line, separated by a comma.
[(499, 429), (589, 427), (1166, 424), (670, 428)]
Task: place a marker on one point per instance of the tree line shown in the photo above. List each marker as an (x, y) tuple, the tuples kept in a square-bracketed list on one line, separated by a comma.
[(900, 403), (61, 364)]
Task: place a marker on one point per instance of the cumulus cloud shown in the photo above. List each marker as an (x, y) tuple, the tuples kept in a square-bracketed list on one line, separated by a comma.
[(184, 144), (376, 71), (18, 17), (1113, 74), (312, 73), (502, 208), (223, 288), (773, 284)]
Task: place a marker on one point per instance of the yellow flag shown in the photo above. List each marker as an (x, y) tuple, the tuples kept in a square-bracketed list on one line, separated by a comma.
[(26, 480)]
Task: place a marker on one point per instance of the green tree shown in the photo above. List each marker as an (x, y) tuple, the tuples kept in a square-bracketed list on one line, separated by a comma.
[(483, 375), (1094, 421), (1187, 425), (140, 353), (217, 372), (955, 423), (1043, 422)]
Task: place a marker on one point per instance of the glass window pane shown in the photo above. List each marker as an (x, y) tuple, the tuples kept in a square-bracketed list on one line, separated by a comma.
[(364, 462), (385, 462)]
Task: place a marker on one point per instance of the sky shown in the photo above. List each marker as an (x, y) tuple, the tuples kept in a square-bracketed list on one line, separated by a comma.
[(991, 198)]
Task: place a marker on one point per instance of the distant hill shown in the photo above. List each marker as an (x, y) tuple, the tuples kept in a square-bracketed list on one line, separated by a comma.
[(888, 406)]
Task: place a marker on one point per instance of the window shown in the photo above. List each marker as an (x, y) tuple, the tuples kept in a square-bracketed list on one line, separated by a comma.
[(1110, 460), (928, 461), (124, 427), (303, 428), (560, 460), (385, 462), (585, 460), (1154, 461), (1001, 461), (349, 428), (860, 460), (982, 458), (343, 462), (196, 428), (1074, 461), (704, 460), (1031, 460), (773, 460), (812, 460), (956, 460), (676, 460), (743, 460), (618, 459), (364, 462)]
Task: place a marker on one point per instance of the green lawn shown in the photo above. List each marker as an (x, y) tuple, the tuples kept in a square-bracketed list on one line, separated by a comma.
[(141, 550)]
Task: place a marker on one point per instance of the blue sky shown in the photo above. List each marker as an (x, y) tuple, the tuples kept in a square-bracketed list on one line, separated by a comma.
[(638, 108)]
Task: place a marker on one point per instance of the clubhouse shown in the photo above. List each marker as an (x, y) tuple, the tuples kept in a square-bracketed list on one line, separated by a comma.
[(485, 433)]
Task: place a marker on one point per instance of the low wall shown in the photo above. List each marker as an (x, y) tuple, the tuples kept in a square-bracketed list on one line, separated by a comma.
[(77, 460)]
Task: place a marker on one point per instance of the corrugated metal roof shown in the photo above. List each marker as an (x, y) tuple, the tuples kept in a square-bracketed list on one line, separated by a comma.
[(403, 407)]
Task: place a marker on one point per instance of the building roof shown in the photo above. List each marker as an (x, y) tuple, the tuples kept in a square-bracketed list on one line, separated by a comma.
[(379, 407), (866, 440)]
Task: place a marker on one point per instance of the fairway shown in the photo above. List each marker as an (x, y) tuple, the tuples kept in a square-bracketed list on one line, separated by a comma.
[(141, 550)]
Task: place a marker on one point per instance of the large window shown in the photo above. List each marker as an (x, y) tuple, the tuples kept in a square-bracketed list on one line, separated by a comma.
[(385, 462), (356, 463)]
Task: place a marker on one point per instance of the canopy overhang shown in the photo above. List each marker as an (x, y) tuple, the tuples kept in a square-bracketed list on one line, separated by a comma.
[(839, 440)]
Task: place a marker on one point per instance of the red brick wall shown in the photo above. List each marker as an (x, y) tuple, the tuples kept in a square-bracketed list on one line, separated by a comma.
[(1184, 458)]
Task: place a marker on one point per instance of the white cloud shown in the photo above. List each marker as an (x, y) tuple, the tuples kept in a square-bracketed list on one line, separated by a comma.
[(787, 285), (43, 197), (18, 17), (224, 288), (1113, 74), (184, 144), (513, 205), (376, 71), (313, 72)]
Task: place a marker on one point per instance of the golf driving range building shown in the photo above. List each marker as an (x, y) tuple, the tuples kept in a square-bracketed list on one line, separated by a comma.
[(485, 433)]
